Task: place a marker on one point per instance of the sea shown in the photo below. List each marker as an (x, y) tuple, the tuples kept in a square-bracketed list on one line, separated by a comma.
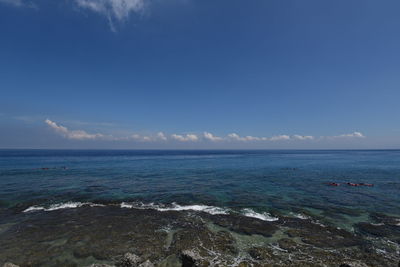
[(340, 188)]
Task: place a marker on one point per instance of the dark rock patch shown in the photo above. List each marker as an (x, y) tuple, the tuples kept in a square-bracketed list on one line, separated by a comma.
[(319, 235), (386, 219), (129, 260), (190, 258), (132, 237), (288, 244), (245, 225), (390, 231)]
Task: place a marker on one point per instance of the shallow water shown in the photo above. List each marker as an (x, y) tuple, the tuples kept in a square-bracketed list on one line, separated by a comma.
[(262, 180), (264, 185)]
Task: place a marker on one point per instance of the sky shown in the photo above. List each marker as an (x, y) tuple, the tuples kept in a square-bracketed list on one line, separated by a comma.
[(200, 74)]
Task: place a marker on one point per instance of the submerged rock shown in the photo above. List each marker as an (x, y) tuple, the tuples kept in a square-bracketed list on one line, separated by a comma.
[(146, 264), (100, 265), (389, 231), (245, 225), (386, 219), (261, 253), (245, 264), (198, 246), (323, 236), (9, 264), (288, 244), (191, 258), (172, 238), (353, 264), (82, 252), (129, 260), (170, 261)]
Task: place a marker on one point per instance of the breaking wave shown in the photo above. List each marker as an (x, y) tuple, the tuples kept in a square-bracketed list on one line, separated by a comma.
[(300, 216), (159, 207), (261, 216), (175, 207), (67, 205)]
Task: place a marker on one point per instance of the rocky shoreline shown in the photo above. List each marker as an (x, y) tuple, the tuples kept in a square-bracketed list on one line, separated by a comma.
[(111, 236)]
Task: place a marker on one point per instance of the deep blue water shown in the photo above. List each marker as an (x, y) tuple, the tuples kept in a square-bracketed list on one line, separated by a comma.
[(275, 181)]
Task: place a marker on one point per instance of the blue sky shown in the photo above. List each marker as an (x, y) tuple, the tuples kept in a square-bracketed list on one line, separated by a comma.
[(199, 74)]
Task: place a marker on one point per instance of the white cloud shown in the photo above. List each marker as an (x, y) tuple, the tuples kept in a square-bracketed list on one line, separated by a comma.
[(119, 10), (75, 135), (161, 136), (351, 135), (185, 138), (138, 137), (303, 137), (236, 137), (251, 138), (147, 138), (211, 137), (280, 137), (255, 138), (206, 136)]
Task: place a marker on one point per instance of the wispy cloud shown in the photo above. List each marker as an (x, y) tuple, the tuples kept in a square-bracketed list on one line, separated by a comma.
[(28, 119), (18, 3), (113, 10), (303, 137), (351, 135), (88, 123)]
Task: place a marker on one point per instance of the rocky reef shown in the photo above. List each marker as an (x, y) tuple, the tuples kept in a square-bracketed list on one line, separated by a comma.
[(112, 236)]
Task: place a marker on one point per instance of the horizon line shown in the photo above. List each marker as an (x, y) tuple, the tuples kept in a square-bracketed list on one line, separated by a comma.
[(208, 149)]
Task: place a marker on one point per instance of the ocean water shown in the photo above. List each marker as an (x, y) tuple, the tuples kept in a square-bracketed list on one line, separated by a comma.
[(264, 182), (79, 207)]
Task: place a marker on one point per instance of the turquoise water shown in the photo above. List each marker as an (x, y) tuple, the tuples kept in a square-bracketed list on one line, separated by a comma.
[(273, 181)]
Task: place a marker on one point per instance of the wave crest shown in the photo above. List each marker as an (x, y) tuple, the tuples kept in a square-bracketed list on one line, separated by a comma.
[(66, 205), (159, 207), (261, 216), (175, 207)]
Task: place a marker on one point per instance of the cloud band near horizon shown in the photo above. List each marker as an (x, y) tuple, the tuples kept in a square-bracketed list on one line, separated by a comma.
[(190, 137)]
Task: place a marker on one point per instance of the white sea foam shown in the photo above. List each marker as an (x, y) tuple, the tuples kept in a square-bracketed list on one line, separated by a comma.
[(300, 216), (318, 223), (175, 207), (66, 205), (381, 251), (159, 207), (262, 216), (34, 208)]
